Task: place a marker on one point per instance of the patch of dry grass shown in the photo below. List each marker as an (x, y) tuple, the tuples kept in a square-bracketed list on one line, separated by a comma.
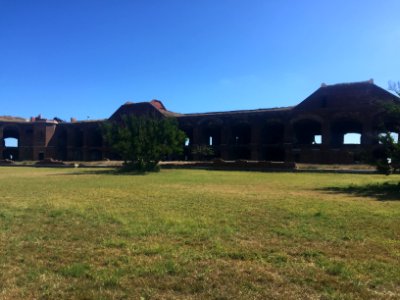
[(190, 234)]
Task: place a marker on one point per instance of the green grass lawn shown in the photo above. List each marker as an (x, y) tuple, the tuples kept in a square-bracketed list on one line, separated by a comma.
[(192, 234)]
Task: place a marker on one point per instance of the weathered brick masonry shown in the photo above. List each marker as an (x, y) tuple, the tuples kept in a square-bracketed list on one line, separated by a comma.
[(312, 131)]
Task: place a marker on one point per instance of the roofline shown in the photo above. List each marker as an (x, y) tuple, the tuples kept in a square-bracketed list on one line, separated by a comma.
[(260, 110), (370, 81), (14, 121)]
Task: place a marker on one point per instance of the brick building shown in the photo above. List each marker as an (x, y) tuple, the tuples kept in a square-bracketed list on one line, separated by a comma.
[(314, 131)]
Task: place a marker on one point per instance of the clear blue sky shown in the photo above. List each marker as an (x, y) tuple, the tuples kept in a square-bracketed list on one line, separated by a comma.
[(84, 58)]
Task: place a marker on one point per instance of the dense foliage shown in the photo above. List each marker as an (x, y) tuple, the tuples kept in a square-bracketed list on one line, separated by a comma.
[(143, 141), (390, 161)]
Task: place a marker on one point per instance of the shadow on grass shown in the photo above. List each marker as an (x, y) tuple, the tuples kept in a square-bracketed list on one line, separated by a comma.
[(105, 172), (386, 191)]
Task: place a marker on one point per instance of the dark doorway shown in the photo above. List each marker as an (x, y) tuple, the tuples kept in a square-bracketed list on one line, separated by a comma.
[(241, 138), (307, 132)]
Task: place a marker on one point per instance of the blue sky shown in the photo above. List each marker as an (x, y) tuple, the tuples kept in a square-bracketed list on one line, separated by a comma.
[(85, 58)]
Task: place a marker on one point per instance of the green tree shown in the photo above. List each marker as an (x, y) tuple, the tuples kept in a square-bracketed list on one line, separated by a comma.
[(142, 141), (390, 162)]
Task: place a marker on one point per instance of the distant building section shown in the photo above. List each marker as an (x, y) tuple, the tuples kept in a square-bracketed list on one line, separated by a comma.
[(336, 124)]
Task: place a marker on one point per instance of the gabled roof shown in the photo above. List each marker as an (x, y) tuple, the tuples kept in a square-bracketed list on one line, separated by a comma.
[(154, 107), (356, 94)]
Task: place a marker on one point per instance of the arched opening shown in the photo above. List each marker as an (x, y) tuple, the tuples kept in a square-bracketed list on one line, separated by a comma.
[(211, 137), (241, 138), (307, 132), (273, 132), (241, 134), (275, 153), (77, 143), (352, 138), (389, 127), (94, 138), (384, 138), (189, 135), (77, 138), (62, 143), (187, 152), (11, 143), (94, 143), (272, 137), (393, 135), (346, 132)]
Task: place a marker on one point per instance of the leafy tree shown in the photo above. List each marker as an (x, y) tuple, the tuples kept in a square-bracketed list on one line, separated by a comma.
[(142, 141), (390, 161)]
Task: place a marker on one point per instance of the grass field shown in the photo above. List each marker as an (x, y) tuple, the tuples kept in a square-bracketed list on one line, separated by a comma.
[(191, 234)]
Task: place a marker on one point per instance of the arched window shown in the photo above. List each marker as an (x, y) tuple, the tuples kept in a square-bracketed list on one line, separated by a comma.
[(10, 142), (346, 132), (307, 132), (241, 139), (241, 134), (394, 136), (352, 138)]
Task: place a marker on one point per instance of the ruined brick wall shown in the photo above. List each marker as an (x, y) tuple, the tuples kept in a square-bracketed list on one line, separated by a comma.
[(313, 131)]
